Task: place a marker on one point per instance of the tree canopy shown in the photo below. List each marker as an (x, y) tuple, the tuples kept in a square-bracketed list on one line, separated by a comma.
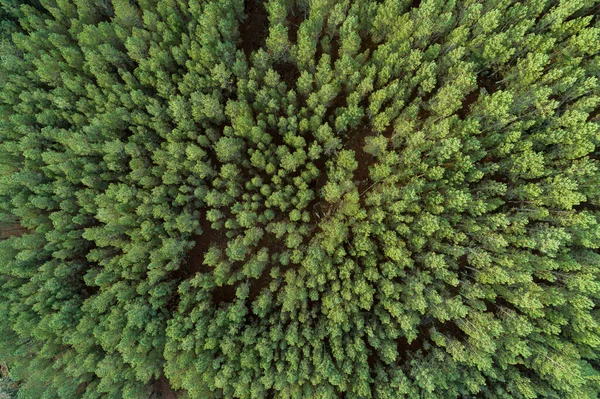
[(300, 199)]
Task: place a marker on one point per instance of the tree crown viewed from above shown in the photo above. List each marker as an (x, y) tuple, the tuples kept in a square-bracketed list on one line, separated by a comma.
[(300, 199)]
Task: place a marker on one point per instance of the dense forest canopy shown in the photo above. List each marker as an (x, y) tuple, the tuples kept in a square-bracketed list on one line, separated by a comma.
[(300, 198)]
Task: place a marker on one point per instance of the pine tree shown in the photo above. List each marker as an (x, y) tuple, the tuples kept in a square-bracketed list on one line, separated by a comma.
[(300, 199)]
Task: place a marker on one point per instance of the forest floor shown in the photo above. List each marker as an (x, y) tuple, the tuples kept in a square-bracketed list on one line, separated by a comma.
[(9, 230), (163, 389)]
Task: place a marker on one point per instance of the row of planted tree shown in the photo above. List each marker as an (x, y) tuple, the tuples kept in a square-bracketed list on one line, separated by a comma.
[(289, 199)]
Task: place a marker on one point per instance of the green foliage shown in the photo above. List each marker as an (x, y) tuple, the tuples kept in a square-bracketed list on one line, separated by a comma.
[(288, 199)]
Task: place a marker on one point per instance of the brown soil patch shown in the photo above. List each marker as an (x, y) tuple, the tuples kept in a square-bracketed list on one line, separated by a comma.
[(195, 262), (450, 329), (404, 347), (289, 73), (340, 101), (203, 241), (470, 99), (594, 116), (224, 294), (422, 115), (13, 229), (227, 293), (356, 142), (255, 29), (335, 48), (294, 19), (488, 83), (257, 286), (317, 205), (163, 390)]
